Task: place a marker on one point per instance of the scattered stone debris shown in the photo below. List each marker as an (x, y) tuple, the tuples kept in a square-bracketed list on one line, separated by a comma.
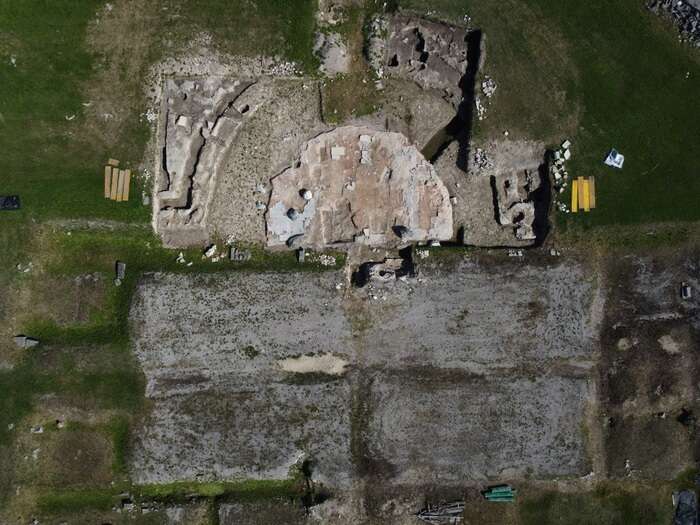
[(13, 61), (326, 260), (212, 253), (301, 255), (488, 86), (239, 255), (481, 160), (559, 174), (515, 253), (24, 268), (24, 342), (60, 423), (480, 108), (684, 13), (423, 254), (37, 429)]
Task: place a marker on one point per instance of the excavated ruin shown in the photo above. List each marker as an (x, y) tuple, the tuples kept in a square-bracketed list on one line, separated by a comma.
[(358, 185), (200, 121), (431, 54), (251, 159)]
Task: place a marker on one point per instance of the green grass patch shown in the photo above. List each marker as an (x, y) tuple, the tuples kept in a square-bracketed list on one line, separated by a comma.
[(118, 430), (60, 502), (18, 387), (45, 161), (607, 505), (118, 388)]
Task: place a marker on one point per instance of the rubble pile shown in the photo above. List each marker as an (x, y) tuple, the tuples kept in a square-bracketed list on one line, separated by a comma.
[(559, 174), (488, 86), (482, 160), (684, 14), (488, 89), (358, 185)]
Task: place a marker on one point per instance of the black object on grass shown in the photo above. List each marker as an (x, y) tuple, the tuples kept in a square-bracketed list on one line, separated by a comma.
[(9, 202)]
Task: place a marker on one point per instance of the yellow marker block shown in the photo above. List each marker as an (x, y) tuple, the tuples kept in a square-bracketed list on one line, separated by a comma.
[(580, 192), (115, 180), (108, 181), (120, 186), (586, 196), (591, 191), (127, 181), (574, 196), (113, 162)]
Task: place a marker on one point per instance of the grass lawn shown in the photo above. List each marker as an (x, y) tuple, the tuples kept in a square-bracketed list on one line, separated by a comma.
[(56, 164), (604, 506), (605, 74)]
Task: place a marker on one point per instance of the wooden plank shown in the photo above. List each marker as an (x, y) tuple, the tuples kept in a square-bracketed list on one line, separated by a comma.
[(591, 191), (113, 162), (120, 186), (127, 181), (580, 192), (586, 196), (574, 196), (113, 189), (108, 181), (115, 180)]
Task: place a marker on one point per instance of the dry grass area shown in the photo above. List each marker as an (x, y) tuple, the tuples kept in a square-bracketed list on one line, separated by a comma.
[(352, 94)]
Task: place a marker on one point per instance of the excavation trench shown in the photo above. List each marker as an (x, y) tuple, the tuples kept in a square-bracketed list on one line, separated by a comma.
[(460, 127)]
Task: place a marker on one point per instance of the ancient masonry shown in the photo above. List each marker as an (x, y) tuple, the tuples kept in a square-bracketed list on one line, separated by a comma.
[(512, 191), (200, 120), (356, 184), (432, 55), (349, 185)]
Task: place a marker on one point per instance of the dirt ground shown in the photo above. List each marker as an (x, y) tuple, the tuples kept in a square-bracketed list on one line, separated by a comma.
[(427, 365), (482, 369), (649, 367)]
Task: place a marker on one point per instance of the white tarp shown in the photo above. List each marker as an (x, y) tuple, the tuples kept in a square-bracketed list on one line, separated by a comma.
[(615, 159)]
